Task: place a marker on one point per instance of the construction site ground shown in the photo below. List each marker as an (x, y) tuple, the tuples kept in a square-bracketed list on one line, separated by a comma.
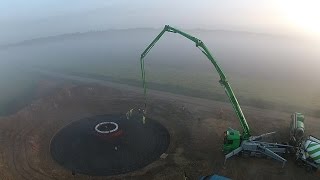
[(196, 128)]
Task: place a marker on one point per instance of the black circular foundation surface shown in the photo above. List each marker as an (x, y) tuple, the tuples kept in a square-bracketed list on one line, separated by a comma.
[(79, 148)]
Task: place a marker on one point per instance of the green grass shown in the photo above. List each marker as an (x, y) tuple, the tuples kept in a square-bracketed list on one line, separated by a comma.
[(17, 90), (199, 81), (177, 66)]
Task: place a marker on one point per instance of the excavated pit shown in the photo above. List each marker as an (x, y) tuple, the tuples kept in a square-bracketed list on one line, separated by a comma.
[(82, 149)]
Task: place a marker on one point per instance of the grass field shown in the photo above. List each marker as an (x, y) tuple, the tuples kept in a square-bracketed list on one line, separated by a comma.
[(261, 74), (17, 89), (270, 94)]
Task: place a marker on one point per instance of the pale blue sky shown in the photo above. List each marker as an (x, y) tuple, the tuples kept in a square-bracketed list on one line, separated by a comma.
[(24, 19)]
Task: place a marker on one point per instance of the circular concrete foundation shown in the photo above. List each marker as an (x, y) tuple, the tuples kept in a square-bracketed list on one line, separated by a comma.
[(109, 144)]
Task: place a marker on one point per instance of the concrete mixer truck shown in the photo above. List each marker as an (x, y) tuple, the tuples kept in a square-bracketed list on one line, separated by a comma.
[(308, 154), (307, 149), (296, 128)]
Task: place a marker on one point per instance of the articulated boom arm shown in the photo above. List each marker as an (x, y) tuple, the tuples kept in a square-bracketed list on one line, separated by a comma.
[(223, 80)]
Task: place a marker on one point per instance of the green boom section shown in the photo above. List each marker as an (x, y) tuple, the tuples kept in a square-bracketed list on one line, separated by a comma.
[(223, 80)]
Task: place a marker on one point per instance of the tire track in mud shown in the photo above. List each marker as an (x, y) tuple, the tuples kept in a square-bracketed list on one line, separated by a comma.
[(20, 158), (28, 162), (21, 171)]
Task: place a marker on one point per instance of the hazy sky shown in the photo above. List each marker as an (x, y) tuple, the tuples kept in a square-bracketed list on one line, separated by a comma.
[(25, 19)]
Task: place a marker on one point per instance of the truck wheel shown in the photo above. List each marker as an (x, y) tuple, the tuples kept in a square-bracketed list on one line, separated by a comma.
[(299, 162), (292, 151), (245, 154), (309, 168)]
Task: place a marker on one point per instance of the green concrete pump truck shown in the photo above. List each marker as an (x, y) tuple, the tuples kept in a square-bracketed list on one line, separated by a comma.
[(234, 141)]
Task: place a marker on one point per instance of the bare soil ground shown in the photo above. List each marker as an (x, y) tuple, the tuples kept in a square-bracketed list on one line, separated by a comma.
[(195, 125)]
